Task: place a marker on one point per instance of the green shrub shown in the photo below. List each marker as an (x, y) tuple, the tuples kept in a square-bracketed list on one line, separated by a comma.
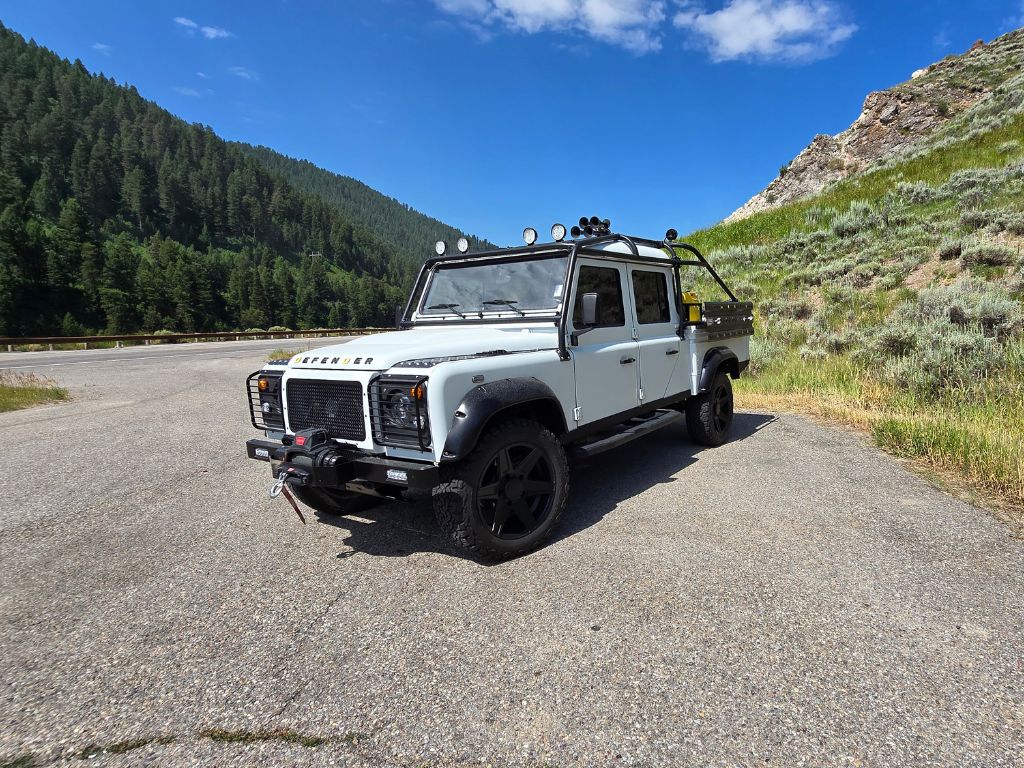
[(988, 254), (858, 218), (916, 192), (254, 330), (976, 218), (819, 215), (950, 249), (279, 329), (1008, 147)]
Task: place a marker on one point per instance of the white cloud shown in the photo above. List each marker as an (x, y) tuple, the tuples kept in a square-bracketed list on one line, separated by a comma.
[(209, 32), (103, 48), (245, 73), (202, 76), (186, 91), (780, 30), (212, 33), (633, 24)]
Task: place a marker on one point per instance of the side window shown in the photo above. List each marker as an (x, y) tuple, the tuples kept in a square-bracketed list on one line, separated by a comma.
[(651, 292), (606, 284)]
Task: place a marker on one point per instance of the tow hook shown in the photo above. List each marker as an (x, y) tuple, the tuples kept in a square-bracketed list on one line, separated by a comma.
[(280, 488)]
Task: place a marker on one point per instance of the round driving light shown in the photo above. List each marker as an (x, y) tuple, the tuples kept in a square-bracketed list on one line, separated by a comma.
[(575, 232), (671, 235), (440, 247), (267, 407), (530, 235), (558, 233), (462, 245)]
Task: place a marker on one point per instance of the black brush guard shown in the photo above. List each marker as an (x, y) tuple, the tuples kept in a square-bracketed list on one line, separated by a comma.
[(312, 459)]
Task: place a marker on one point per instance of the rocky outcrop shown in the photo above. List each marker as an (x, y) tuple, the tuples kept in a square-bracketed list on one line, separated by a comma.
[(893, 120)]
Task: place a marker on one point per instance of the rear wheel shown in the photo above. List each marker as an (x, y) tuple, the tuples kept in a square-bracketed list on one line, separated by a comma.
[(709, 415), (505, 498), (328, 501)]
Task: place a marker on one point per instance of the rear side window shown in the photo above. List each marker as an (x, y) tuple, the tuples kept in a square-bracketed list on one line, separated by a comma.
[(651, 292), (606, 284)]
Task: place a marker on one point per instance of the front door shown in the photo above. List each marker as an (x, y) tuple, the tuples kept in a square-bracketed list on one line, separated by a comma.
[(656, 323), (606, 358)]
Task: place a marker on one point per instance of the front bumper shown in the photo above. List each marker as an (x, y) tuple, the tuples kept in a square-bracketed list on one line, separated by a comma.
[(355, 469)]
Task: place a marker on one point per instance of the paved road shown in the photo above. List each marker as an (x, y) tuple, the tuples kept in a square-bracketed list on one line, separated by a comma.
[(793, 597), (40, 361)]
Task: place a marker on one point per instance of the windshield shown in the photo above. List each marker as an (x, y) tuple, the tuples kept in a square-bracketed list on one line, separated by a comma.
[(512, 287)]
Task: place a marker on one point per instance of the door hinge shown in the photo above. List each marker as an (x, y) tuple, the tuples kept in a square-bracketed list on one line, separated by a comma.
[(636, 334), (641, 395), (577, 413)]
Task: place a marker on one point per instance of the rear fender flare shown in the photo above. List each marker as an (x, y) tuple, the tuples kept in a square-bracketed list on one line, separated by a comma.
[(718, 359)]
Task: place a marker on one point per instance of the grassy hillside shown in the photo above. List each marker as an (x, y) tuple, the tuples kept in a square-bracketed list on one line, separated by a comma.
[(892, 300), (407, 231)]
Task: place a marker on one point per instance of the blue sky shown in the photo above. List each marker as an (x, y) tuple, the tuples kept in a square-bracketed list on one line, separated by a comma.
[(497, 114)]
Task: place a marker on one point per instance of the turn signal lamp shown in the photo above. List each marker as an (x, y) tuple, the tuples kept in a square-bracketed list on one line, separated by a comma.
[(263, 384), (417, 392)]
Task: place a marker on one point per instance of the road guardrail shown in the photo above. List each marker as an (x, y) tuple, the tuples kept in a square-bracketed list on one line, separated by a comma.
[(149, 338)]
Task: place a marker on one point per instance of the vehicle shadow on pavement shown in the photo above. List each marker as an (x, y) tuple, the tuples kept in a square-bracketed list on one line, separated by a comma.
[(598, 486)]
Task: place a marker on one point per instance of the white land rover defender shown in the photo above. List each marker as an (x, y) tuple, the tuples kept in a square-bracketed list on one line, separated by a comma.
[(504, 361)]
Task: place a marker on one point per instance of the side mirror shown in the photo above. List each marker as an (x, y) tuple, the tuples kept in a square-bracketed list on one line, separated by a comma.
[(590, 303)]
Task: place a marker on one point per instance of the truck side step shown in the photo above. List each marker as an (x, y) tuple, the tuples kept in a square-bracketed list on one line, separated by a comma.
[(629, 430)]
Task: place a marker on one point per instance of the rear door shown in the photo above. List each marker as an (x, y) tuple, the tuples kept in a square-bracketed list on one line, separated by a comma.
[(657, 321), (606, 358)]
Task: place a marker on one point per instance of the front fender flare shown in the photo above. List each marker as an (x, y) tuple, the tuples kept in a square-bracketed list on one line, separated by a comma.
[(480, 405), (720, 358)]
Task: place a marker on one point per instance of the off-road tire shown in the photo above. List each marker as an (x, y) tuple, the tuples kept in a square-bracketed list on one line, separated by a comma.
[(709, 415), (462, 516), (332, 502)]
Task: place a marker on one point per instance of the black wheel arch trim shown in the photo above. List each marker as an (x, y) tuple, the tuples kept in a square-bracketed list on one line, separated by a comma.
[(720, 358), (482, 403)]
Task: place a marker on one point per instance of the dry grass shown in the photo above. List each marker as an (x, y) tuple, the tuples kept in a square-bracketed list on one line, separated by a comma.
[(22, 390)]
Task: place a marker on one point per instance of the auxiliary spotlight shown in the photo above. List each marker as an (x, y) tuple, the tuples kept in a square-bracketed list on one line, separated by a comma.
[(440, 247), (671, 235), (575, 232), (462, 245), (530, 235), (558, 232)]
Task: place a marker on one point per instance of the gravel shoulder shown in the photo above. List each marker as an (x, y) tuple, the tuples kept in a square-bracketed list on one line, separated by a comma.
[(794, 596)]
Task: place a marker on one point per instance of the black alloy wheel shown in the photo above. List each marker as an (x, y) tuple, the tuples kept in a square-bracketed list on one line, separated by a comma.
[(516, 491)]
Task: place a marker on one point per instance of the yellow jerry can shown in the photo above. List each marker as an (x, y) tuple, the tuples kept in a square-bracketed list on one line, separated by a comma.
[(691, 305)]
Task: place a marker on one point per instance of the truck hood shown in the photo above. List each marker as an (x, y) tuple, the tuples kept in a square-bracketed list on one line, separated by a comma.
[(382, 351)]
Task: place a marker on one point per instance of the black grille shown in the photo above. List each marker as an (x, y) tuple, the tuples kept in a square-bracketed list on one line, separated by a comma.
[(336, 406)]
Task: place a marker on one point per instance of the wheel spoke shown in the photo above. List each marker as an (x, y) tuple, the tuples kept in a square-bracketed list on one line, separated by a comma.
[(527, 464), (504, 463), (501, 511), (538, 487), (525, 514), (487, 492)]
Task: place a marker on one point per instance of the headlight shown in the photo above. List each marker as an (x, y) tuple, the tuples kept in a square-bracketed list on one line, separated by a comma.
[(398, 409)]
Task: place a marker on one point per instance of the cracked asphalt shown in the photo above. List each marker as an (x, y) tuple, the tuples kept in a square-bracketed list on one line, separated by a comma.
[(793, 597)]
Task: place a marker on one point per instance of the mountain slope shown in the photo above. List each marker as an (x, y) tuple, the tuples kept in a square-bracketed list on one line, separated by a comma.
[(407, 231), (117, 216), (891, 299), (895, 121)]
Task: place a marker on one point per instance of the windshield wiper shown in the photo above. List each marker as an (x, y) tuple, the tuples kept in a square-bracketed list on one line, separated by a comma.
[(510, 303), (452, 307)]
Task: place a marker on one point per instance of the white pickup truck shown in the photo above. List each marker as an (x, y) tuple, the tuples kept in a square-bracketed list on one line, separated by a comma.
[(504, 361)]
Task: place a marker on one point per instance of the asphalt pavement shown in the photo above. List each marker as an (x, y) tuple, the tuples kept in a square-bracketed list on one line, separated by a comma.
[(794, 597)]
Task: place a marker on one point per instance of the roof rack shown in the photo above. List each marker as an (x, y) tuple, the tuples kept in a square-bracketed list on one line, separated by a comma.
[(587, 246)]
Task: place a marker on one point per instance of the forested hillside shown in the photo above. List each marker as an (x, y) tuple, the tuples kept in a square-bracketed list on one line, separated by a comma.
[(891, 299), (117, 216), (406, 230)]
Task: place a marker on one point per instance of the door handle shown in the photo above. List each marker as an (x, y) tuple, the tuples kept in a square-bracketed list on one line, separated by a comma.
[(627, 360), (672, 352)]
